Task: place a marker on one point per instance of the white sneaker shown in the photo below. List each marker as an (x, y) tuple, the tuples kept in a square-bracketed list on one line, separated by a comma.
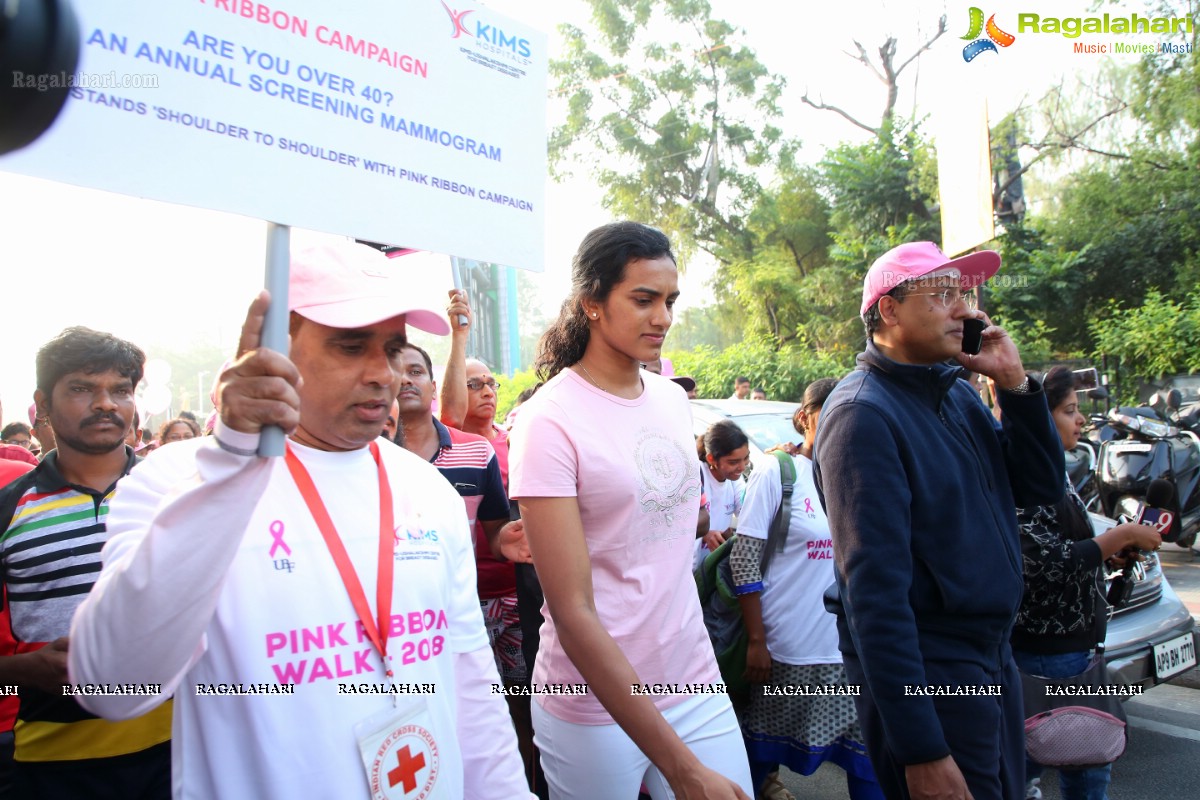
[(1033, 789)]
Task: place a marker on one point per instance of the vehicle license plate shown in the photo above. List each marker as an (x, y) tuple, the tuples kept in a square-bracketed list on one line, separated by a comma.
[(1130, 447), (1173, 657)]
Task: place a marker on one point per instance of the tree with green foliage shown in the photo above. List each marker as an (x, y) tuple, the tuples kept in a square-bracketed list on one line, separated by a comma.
[(783, 371), (510, 388), (883, 193), (690, 142), (1159, 337), (692, 130), (1122, 228), (703, 325), (1033, 289), (680, 113), (787, 290)]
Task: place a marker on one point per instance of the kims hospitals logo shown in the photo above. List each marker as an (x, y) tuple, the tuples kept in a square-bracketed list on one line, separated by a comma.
[(456, 18), (486, 33), (995, 36)]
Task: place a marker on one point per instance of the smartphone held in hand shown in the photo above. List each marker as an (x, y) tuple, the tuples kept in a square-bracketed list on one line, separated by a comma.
[(972, 336)]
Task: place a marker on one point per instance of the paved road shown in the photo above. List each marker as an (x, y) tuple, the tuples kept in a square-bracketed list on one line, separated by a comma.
[(1182, 568), (1163, 759)]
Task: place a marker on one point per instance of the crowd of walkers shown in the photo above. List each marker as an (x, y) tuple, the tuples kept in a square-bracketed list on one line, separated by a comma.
[(416, 601)]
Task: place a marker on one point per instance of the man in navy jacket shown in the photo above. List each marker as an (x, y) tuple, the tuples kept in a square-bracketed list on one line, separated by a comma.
[(920, 484)]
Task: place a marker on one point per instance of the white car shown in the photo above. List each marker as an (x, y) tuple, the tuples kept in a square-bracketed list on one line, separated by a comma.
[(766, 422)]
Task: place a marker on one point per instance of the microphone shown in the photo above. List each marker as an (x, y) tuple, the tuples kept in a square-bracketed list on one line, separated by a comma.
[(1153, 512), (1161, 492)]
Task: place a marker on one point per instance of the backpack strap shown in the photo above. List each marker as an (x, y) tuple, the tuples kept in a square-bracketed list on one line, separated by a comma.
[(783, 515)]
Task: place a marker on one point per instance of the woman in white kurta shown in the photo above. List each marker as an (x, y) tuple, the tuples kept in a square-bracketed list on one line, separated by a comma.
[(802, 714)]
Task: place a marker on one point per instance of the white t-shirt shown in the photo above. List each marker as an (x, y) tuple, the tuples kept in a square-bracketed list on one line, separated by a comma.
[(632, 466), (724, 499), (724, 503), (799, 629), (256, 583)]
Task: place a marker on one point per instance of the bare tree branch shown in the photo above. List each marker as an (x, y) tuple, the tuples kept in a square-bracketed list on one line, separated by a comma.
[(865, 59), (821, 106), (941, 29), (888, 74), (1064, 141)]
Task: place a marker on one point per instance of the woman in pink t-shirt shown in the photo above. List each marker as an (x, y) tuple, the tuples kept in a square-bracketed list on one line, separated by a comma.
[(603, 465)]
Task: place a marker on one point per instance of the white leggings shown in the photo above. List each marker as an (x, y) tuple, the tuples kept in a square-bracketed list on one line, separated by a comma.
[(601, 762)]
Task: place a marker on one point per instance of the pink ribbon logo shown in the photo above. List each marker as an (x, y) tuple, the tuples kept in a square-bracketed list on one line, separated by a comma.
[(808, 509), (278, 542)]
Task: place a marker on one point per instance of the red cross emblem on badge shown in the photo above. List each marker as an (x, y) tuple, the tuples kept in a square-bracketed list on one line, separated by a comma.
[(406, 769)]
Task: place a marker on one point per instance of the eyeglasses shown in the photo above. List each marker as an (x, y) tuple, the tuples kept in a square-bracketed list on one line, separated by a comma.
[(949, 296), (474, 384)]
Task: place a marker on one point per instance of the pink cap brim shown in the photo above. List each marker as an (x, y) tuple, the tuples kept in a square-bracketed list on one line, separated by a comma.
[(974, 270), (361, 312)]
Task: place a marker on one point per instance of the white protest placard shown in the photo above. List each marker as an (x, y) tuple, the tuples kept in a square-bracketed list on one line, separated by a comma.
[(418, 123)]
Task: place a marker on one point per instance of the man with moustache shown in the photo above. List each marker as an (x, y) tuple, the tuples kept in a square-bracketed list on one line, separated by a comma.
[(467, 461), (342, 570), (54, 523)]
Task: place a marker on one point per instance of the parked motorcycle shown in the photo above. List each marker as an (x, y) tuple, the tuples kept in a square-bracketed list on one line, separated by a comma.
[(1170, 405), (1146, 447), (1081, 471)]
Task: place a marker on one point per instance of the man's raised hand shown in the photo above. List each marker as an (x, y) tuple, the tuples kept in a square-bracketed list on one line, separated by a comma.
[(259, 387)]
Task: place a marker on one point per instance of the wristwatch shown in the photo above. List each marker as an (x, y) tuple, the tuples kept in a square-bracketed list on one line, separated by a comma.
[(1023, 387)]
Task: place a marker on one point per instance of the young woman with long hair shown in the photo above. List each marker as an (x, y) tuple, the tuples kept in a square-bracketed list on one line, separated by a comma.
[(603, 467)]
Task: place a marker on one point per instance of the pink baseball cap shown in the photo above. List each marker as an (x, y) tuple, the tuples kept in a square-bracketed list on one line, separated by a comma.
[(14, 452), (917, 259), (352, 286)]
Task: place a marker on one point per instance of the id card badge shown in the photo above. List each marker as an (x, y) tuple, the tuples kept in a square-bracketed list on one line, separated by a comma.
[(400, 754)]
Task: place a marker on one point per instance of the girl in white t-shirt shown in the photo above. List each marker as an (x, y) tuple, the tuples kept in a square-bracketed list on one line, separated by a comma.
[(724, 450), (602, 464), (810, 718)]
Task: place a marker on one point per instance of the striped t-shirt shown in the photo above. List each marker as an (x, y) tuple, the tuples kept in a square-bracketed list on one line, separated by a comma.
[(468, 461), (51, 533)]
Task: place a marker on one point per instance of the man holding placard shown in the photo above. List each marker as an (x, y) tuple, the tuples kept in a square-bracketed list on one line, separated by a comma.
[(314, 615)]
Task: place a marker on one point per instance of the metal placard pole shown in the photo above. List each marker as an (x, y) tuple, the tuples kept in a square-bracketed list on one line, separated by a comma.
[(275, 325)]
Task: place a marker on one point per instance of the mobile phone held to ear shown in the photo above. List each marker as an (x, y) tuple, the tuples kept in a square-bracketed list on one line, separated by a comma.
[(972, 336)]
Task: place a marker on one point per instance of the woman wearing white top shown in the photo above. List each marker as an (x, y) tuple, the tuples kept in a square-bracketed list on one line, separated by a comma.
[(793, 640), (725, 450)]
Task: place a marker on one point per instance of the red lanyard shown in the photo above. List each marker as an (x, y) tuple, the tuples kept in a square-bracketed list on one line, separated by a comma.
[(383, 588)]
